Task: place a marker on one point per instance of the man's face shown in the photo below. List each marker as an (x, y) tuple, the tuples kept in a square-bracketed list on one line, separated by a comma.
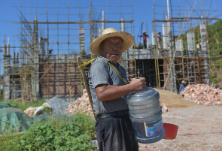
[(112, 49)]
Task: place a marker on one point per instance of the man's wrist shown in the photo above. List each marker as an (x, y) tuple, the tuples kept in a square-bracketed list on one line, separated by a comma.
[(130, 87)]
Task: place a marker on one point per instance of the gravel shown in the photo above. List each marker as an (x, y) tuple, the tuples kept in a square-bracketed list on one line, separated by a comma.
[(200, 129)]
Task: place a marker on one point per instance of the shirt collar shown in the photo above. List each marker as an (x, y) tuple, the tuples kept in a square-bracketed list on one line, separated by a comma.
[(108, 60)]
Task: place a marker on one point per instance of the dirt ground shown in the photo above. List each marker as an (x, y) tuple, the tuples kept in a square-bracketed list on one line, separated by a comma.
[(200, 127), (172, 100)]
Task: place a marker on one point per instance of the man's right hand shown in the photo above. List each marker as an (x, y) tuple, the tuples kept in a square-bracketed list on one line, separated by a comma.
[(138, 84), (107, 92)]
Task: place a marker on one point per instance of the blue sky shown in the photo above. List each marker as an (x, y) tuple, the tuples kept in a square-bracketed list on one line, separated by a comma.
[(142, 12)]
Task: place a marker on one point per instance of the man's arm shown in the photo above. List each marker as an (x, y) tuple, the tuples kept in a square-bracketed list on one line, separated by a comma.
[(106, 92)]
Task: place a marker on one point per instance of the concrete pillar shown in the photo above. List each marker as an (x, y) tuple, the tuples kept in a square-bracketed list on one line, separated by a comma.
[(103, 23), (17, 57), (100, 31), (13, 56), (191, 43), (153, 39), (7, 69), (122, 25), (15, 84), (172, 60), (35, 56), (147, 41), (42, 48), (179, 45), (32, 62), (8, 48), (42, 45), (203, 34), (82, 40), (165, 36), (125, 64)]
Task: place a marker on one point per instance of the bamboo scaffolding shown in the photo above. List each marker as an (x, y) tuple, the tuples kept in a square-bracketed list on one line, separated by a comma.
[(58, 68)]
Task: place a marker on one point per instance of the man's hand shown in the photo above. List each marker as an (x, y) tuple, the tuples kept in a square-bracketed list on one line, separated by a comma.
[(138, 84)]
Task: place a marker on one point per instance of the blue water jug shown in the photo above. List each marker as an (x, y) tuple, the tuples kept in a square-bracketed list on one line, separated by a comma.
[(146, 115)]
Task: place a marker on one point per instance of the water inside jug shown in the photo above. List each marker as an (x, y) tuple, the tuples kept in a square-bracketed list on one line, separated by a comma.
[(146, 115)]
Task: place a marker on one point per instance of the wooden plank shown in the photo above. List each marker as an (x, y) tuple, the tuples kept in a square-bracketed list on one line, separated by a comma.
[(86, 85)]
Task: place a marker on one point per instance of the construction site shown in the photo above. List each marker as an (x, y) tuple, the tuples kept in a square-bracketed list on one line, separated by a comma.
[(43, 63), (45, 99)]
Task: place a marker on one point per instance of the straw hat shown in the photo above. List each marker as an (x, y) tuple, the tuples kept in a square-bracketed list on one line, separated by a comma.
[(111, 32), (144, 32), (183, 82)]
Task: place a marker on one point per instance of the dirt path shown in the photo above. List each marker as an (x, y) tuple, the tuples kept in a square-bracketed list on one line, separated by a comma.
[(200, 129)]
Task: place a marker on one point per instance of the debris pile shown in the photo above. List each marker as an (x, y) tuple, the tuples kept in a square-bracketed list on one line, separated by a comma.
[(81, 105), (33, 111), (30, 111), (202, 94), (164, 107), (58, 105)]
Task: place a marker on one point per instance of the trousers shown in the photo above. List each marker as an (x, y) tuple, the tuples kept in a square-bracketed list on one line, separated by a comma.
[(116, 134), (144, 45)]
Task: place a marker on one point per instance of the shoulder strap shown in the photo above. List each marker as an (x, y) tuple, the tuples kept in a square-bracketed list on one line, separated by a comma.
[(88, 62), (116, 72)]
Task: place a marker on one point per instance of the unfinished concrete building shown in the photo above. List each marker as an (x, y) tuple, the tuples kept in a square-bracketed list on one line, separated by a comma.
[(45, 65)]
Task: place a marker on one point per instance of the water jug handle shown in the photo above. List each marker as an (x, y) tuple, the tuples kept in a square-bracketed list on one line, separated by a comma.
[(139, 77), (129, 94)]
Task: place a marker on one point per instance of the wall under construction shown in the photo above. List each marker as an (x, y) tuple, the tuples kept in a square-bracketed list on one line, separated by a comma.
[(44, 63), (181, 39)]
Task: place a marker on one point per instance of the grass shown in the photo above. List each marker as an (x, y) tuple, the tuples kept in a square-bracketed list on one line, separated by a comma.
[(9, 143), (20, 105)]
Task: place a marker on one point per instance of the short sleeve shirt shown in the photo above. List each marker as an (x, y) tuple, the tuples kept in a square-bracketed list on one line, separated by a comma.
[(101, 73)]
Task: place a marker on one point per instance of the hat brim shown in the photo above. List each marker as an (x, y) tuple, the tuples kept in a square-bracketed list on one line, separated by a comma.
[(127, 38)]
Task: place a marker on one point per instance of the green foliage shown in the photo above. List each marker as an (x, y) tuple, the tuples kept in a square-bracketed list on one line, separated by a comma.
[(216, 80), (19, 104), (214, 34), (212, 76), (9, 143), (218, 64), (63, 135), (214, 37)]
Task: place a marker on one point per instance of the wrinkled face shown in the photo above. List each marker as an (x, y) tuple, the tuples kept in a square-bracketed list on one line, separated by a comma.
[(112, 49)]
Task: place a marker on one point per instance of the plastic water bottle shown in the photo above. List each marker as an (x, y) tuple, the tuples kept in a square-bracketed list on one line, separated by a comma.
[(146, 115)]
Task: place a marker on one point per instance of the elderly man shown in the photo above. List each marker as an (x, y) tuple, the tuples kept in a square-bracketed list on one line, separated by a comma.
[(106, 82)]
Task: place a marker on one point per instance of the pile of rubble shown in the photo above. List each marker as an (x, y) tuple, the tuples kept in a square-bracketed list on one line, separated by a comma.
[(164, 107), (81, 105), (202, 94), (56, 105), (33, 111)]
